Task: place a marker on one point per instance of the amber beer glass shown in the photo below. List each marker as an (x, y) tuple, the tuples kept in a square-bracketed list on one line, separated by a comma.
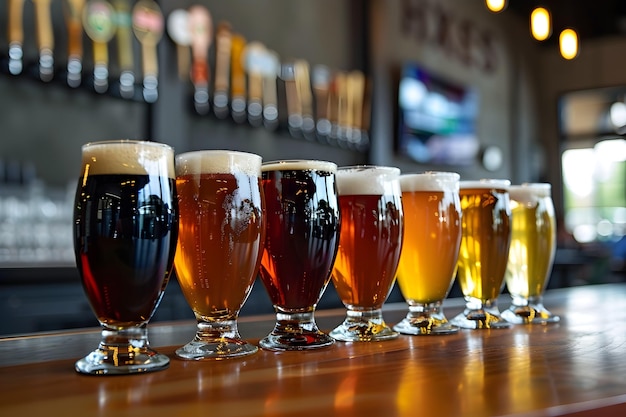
[(370, 199), (430, 249), (219, 246), (485, 241), (533, 245), (126, 225), (300, 248)]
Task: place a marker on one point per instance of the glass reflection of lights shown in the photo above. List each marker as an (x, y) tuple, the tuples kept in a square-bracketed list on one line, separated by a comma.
[(345, 394)]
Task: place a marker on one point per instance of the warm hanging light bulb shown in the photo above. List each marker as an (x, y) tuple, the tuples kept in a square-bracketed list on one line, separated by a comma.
[(496, 6), (568, 44), (540, 24)]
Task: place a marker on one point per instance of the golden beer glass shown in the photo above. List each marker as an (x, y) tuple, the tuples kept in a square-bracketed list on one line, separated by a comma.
[(370, 243), (220, 243), (484, 252), (533, 245), (302, 235), (125, 230), (430, 249)]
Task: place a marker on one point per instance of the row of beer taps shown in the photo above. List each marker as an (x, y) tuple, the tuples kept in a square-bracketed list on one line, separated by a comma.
[(101, 21), (250, 83)]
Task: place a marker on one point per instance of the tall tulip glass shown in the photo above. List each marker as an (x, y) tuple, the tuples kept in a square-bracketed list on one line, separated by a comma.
[(126, 225), (219, 246), (485, 241), (430, 249), (372, 226), (533, 245)]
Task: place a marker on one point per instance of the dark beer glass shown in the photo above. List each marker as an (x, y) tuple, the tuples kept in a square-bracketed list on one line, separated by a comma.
[(372, 228), (219, 246), (300, 248), (126, 226)]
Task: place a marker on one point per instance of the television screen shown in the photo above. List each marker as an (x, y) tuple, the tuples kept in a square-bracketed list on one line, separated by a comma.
[(437, 119)]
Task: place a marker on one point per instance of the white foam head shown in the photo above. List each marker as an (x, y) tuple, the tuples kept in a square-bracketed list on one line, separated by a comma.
[(529, 193), (218, 162), (128, 157), (368, 180), (430, 181), (300, 165), (486, 184)]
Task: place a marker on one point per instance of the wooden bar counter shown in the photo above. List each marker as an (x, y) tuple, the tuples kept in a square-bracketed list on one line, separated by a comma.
[(576, 367)]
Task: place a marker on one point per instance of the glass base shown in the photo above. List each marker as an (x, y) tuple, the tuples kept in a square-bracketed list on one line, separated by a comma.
[(295, 331), (480, 315), (529, 311), (425, 319), (364, 326), (216, 340), (122, 352)]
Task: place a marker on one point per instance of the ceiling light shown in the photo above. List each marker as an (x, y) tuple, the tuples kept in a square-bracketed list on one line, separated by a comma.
[(540, 24), (496, 6), (568, 44)]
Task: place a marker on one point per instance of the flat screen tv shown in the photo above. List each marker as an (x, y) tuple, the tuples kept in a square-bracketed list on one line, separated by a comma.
[(436, 119)]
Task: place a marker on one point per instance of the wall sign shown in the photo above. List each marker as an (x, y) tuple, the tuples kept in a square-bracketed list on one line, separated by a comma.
[(428, 22)]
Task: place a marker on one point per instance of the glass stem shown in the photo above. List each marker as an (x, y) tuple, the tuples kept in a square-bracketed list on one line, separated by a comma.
[(295, 323), (122, 346), (215, 330)]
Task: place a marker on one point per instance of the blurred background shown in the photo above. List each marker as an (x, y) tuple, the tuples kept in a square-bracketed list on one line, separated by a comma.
[(420, 84)]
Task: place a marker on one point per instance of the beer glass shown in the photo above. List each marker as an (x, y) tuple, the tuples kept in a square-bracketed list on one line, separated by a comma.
[(430, 249), (370, 199), (125, 230), (300, 248), (485, 241), (219, 246), (533, 245)]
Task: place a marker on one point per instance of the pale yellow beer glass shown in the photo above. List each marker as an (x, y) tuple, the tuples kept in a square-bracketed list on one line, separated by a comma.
[(533, 245), (430, 249), (484, 252), (370, 242)]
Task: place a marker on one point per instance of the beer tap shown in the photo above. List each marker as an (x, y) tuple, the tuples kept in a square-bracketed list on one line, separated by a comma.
[(237, 78), (178, 30), (45, 39), (270, 70), (148, 28), (100, 27), (356, 88), (125, 48), (320, 79), (73, 10), (338, 131), (294, 108), (201, 28), (303, 87), (223, 37), (365, 115), (16, 36), (358, 137), (253, 62)]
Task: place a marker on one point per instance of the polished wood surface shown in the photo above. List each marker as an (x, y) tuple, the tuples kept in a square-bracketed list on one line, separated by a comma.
[(576, 367)]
